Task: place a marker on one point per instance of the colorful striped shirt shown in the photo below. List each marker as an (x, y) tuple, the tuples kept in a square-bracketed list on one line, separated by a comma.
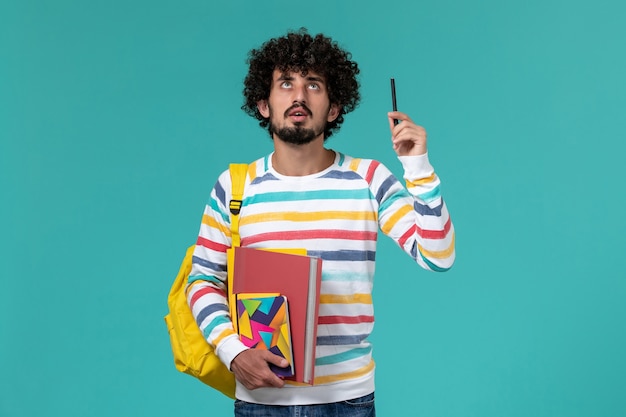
[(334, 214)]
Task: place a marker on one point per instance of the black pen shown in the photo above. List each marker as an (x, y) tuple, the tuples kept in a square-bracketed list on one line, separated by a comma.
[(393, 99)]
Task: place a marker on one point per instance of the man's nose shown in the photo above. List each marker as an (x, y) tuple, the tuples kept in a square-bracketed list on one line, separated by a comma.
[(299, 94)]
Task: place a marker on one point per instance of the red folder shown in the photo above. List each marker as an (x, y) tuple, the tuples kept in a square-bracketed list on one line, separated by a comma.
[(297, 277)]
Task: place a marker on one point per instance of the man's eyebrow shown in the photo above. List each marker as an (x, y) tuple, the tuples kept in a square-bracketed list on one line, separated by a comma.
[(289, 77), (315, 78)]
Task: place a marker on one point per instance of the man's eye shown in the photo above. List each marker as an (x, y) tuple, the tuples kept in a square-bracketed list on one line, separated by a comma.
[(286, 84), (314, 86)]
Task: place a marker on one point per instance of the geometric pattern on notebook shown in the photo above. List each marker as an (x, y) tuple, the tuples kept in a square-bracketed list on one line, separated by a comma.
[(263, 324)]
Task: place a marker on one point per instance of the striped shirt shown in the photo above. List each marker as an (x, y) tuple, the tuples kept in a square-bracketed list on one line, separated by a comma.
[(334, 214)]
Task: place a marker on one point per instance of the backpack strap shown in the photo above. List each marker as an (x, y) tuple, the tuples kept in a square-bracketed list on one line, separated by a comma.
[(238, 178)]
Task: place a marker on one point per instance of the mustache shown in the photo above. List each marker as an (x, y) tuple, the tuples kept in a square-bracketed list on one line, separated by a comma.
[(296, 106)]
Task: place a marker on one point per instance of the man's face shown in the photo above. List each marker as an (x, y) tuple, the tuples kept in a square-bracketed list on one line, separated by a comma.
[(298, 107)]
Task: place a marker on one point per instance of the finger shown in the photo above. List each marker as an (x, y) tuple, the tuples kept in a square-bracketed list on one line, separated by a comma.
[(395, 126), (275, 381), (394, 119), (259, 376), (398, 115), (272, 379), (275, 359), (391, 123)]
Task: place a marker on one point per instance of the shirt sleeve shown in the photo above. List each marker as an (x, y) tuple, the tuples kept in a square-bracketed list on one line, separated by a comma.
[(207, 286), (416, 217)]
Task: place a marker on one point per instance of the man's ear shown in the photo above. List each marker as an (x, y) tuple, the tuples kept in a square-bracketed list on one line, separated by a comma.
[(333, 113), (263, 108)]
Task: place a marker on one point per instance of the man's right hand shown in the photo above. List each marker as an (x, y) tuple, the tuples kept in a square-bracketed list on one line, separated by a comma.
[(252, 370)]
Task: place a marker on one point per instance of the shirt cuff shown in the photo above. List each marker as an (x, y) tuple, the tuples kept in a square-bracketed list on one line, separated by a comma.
[(416, 167), (229, 349)]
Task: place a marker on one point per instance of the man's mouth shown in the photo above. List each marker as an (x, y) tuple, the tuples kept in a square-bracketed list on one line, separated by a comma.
[(298, 112)]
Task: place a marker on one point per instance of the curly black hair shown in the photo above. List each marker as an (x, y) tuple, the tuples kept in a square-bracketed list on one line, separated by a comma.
[(300, 52)]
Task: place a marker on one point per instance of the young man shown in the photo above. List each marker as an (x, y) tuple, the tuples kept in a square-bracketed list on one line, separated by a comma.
[(304, 195)]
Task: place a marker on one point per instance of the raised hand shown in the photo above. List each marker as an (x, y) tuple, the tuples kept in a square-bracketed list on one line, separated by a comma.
[(408, 138)]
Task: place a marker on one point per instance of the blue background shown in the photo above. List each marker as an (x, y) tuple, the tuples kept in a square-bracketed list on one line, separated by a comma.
[(117, 116)]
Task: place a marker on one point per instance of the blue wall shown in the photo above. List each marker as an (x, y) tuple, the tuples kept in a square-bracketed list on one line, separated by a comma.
[(117, 116)]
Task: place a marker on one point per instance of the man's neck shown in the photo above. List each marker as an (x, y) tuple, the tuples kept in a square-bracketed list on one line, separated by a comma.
[(300, 160)]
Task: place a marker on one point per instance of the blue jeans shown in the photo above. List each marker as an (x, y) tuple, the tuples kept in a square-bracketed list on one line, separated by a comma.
[(358, 407)]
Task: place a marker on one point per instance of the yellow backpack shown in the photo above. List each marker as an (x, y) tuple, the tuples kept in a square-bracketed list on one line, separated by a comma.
[(192, 353)]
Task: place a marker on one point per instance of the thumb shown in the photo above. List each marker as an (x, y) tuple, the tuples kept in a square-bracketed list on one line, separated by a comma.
[(275, 359)]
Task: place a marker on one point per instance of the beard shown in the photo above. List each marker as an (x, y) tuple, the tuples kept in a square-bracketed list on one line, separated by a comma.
[(296, 135)]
